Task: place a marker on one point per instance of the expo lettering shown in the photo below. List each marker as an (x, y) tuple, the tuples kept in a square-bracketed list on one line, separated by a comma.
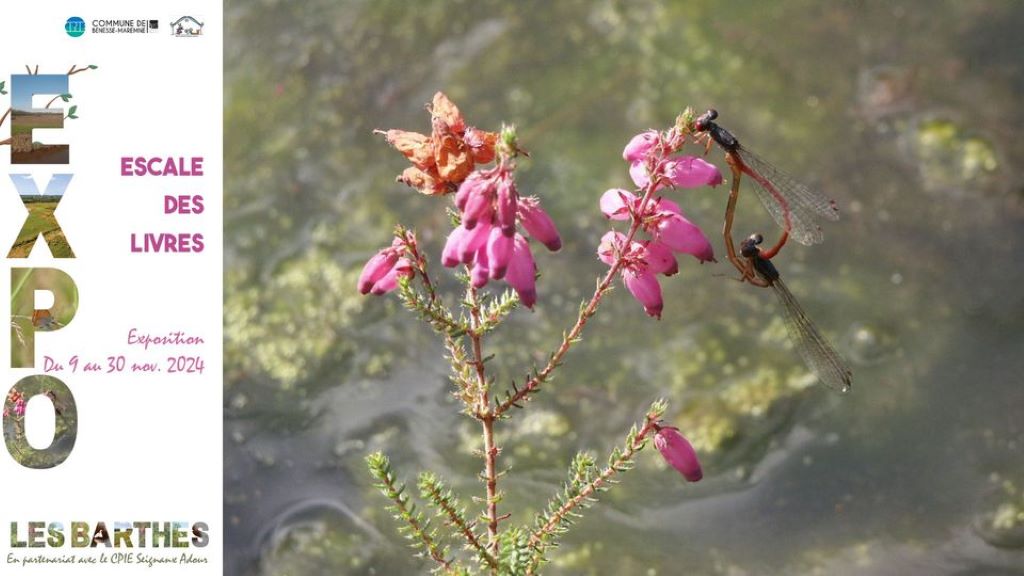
[(26, 281)]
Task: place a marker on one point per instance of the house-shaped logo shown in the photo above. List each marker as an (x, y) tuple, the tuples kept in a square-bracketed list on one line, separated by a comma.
[(187, 27)]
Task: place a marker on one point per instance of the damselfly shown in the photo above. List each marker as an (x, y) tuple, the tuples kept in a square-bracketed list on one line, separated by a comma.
[(814, 348), (794, 206)]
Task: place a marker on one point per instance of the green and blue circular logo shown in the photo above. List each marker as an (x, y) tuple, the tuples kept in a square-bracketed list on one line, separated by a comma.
[(75, 26)]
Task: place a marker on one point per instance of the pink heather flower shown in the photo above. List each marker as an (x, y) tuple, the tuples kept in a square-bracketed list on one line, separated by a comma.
[(681, 235), (472, 241), (538, 224), (639, 265), (450, 255), (691, 172), (681, 172), (480, 272), (638, 172), (379, 265), (663, 219), (612, 244), (643, 285), (498, 252), (475, 183), (402, 268), (522, 272), (639, 146), (616, 203), (668, 206), (677, 451), (487, 239), (478, 207), (508, 199), (660, 259)]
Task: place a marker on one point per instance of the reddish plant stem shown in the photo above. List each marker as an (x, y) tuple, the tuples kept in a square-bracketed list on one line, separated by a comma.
[(567, 341), (491, 463), (486, 417)]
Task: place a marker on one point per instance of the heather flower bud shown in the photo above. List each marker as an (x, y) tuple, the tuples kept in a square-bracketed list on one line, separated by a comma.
[(615, 203), (478, 207), (643, 285), (507, 201), (522, 272), (539, 224), (612, 244), (666, 205), (660, 259), (481, 267), (499, 252), (691, 172), (681, 235), (475, 183), (677, 451), (639, 146), (472, 241), (375, 269), (638, 172), (450, 255), (402, 268)]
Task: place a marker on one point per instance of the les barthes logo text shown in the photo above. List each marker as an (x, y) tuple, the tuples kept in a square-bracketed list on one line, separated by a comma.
[(123, 535)]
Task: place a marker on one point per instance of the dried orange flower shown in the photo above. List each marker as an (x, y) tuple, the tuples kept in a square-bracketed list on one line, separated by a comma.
[(419, 149), (427, 182), (442, 160)]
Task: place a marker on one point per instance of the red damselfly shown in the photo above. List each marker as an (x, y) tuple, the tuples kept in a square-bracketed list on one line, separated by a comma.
[(794, 206), (816, 351)]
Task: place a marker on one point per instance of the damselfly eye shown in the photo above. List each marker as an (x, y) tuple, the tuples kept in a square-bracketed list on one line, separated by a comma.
[(712, 114), (756, 239)]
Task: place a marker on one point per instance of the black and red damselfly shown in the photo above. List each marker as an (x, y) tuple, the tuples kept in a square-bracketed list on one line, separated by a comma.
[(816, 351), (794, 206)]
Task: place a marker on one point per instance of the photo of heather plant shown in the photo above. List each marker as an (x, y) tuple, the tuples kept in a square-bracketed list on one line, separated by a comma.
[(655, 287)]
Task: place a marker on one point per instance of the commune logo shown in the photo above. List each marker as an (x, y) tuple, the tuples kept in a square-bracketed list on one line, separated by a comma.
[(186, 27), (74, 26)]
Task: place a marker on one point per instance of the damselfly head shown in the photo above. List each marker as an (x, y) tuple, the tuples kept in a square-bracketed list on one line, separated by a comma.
[(749, 247), (705, 119)]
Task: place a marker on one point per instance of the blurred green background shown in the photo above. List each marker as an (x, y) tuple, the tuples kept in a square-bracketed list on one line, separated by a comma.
[(904, 112)]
